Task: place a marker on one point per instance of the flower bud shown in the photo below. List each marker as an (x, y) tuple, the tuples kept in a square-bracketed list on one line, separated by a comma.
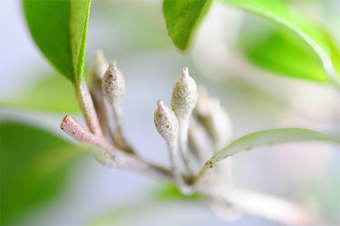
[(166, 122), (97, 71), (98, 67), (184, 96), (217, 123), (215, 119), (199, 141), (113, 84)]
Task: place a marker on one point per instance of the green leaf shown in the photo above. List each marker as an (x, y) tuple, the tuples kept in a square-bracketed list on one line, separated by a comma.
[(147, 212), (326, 192), (182, 18), (59, 29), (279, 51), (281, 14), (171, 192), (34, 168), (265, 138), (51, 94)]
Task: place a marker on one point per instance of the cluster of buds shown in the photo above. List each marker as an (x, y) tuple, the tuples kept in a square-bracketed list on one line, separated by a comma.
[(194, 128)]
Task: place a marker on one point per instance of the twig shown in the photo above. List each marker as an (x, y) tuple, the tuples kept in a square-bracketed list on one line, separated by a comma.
[(97, 70), (250, 202), (183, 144), (260, 205), (87, 108), (112, 156)]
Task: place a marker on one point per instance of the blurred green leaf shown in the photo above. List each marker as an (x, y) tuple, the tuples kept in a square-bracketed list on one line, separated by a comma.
[(115, 217), (51, 93), (34, 168), (135, 20), (144, 212), (59, 29), (266, 138), (171, 192), (281, 13), (166, 193), (182, 18), (277, 51), (334, 51), (327, 195)]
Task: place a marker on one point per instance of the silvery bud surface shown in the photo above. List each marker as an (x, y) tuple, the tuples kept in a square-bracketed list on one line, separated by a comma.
[(97, 71), (166, 122), (113, 84), (216, 120), (184, 95), (199, 141), (98, 67)]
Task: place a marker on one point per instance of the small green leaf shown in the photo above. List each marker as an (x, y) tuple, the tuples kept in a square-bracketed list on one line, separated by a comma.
[(171, 192), (182, 18), (59, 29), (34, 168), (265, 138), (51, 94), (280, 13)]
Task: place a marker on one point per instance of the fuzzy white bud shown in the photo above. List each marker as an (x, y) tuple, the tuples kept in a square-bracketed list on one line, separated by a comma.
[(184, 96), (113, 84), (218, 125), (97, 71), (98, 67), (166, 122), (216, 120), (167, 126)]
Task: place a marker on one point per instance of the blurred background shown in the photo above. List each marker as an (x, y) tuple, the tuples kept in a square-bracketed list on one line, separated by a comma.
[(248, 63)]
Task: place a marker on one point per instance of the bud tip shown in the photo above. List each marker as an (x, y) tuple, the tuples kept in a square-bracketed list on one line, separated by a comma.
[(99, 54), (160, 104), (185, 72), (113, 65)]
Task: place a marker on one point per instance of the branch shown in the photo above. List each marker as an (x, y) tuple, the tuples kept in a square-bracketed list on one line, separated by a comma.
[(87, 108), (257, 204), (249, 202), (112, 156), (97, 70)]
